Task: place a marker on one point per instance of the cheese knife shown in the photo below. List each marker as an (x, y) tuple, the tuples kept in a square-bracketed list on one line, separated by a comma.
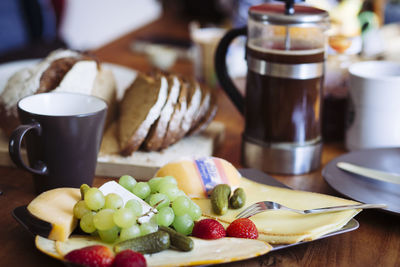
[(370, 173)]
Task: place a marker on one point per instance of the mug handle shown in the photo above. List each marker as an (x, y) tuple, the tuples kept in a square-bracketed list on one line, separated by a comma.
[(221, 71), (14, 148)]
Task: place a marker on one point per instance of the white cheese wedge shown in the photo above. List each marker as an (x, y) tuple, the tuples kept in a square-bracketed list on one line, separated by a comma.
[(114, 187), (56, 207)]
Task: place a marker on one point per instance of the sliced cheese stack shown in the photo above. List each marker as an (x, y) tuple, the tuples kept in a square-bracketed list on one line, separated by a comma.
[(56, 207), (196, 177), (282, 226), (156, 111)]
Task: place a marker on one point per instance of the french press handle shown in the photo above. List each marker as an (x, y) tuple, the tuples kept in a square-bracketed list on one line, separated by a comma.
[(221, 70)]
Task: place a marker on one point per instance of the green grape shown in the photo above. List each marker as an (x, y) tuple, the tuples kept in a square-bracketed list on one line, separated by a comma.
[(165, 216), (103, 220), (127, 181), (113, 201), (160, 200), (129, 233), (183, 224), (147, 199), (148, 228), (181, 205), (141, 189), (170, 190), (134, 205), (80, 209), (94, 199), (194, 211), (124, 218), (86, 223), (181, 193), (170, 179), (109, 235), (154, 184)]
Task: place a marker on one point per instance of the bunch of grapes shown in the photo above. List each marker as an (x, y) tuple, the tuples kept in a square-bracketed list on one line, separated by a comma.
[(108, 217)]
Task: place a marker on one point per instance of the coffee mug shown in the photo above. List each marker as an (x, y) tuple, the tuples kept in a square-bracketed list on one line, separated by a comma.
[(62, 134), (373, 115)]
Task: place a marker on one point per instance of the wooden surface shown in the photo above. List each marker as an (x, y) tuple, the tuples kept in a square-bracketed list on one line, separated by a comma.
[(375, 243)]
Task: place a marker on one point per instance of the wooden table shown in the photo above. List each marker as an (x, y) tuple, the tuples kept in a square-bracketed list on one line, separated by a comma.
[(375, 243)]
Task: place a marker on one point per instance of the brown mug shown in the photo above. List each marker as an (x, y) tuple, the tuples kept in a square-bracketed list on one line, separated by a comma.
[(62, 134)]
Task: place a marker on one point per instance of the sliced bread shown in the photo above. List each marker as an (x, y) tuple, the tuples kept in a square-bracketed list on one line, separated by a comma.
[(140, 107), (174, 126), (203, 123), (193, 104), (157, 131), (109, 144), (204, 106)]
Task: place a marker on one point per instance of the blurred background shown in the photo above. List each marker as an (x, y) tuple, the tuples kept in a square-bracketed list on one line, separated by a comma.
[(360, 30), (31, 28)]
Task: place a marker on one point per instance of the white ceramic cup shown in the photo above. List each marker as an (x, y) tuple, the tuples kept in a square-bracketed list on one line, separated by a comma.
[(374, 105)]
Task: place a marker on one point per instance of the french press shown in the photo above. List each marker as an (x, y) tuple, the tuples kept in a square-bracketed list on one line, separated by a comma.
[(285, 54)]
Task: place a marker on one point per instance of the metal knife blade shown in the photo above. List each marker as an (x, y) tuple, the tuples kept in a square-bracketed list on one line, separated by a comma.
[(370, 173)]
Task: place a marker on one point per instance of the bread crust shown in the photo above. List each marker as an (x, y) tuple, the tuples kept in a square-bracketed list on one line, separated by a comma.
[(140, 107), (157, 132)]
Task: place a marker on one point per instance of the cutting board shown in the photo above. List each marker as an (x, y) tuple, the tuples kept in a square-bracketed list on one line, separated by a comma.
[(143, 165)]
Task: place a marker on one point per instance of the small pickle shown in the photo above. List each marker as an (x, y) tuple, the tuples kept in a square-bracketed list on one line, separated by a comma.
[(220, 198), (238, 199), (178, 240), (84, 188), (146, 244)]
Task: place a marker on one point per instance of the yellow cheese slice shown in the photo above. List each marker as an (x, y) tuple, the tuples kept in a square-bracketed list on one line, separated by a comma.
[(204, 251), (77, 242), (47, 246), (56, 207), (196, 177), (285, 227), (207, 252)]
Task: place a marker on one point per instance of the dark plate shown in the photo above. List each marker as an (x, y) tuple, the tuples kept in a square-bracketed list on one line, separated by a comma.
[(365, 189), (38, 227)]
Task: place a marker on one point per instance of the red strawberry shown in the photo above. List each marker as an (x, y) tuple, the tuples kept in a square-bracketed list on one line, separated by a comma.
[(91, 256), (243, 228), (208, 229), (129, 258)]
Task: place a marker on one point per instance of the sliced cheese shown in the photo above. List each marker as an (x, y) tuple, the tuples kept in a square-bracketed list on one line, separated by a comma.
[(204, 251), (207, 252), (78, 242), (48, 247), (196, 177), (56, 207), (285, 227)]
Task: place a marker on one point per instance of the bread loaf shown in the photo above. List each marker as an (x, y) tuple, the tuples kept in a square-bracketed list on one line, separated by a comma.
[(61, 70), (156, 111)]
